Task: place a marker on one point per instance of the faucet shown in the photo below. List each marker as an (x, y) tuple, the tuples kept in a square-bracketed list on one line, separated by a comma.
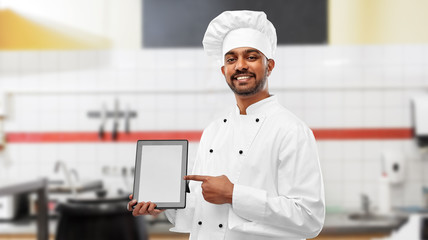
[(365, 204), (60, 164)]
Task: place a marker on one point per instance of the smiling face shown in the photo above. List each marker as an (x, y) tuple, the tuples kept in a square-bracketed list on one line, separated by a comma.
[(246, 71)]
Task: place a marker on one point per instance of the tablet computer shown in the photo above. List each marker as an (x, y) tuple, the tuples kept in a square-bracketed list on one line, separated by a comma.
[(160, 166)]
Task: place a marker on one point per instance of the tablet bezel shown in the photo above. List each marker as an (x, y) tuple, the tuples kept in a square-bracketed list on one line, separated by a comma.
[(180, 142)]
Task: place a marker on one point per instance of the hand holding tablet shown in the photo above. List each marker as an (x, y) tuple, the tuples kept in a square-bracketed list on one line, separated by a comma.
[(159, 170)]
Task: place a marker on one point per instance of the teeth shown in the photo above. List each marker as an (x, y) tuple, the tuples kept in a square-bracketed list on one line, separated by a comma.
[(241, 78)]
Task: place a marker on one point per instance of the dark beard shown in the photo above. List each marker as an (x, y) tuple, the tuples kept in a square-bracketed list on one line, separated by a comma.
[(251, 91)]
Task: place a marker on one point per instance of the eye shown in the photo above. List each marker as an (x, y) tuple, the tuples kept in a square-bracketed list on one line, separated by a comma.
[(230, 60), (252, 58)]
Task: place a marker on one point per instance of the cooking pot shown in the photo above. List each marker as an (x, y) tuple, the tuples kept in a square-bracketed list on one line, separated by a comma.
[(99, 218)]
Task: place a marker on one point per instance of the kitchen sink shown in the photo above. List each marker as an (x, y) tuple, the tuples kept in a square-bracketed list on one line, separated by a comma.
[(84, 186)]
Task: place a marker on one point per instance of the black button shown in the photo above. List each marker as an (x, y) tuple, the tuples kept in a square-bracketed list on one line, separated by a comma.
[(211, 150), (257, 120), (220, 225), (225, 120), (200, 223), (240, 152)]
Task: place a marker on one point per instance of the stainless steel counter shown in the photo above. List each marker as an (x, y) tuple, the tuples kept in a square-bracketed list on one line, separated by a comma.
[(341, 223)]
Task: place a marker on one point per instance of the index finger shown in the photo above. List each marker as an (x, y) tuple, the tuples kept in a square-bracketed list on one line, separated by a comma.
[(200, 178)]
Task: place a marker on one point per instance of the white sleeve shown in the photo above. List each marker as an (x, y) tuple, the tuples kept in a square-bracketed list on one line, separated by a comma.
[(298, 210)]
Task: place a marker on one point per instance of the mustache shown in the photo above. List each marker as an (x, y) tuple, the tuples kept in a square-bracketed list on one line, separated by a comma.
[(238, 72)]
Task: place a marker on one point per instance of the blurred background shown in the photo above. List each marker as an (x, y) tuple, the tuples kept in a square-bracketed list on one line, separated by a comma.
[(82, 81)]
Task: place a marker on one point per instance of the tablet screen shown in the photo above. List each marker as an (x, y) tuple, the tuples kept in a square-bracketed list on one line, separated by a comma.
[(160, 168)]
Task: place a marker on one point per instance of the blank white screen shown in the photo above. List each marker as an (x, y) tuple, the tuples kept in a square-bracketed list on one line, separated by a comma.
[(160, 173)]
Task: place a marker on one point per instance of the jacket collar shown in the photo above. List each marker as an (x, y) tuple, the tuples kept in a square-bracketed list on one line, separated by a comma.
[(259, 107)]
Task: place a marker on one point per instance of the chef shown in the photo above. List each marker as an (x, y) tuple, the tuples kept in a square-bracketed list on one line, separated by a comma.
[(257, 172)]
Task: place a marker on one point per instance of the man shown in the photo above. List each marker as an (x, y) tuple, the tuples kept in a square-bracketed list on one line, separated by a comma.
[(257, 173)]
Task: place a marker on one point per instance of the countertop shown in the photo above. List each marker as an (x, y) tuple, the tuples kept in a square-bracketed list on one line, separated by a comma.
[(339, 224)]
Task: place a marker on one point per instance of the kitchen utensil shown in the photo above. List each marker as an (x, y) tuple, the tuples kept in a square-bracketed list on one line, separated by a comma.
[(103, 121), (115, 122)]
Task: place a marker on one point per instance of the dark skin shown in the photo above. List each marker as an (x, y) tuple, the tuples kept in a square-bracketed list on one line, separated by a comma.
[(245, 70), (143, 208)]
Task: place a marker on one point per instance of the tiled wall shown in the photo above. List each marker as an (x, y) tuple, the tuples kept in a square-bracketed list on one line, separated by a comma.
[(182, 89)]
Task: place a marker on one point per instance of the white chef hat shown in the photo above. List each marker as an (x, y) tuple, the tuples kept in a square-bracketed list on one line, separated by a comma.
[(233, 29)]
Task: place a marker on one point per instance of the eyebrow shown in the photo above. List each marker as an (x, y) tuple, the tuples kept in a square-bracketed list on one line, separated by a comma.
[(246, 51)]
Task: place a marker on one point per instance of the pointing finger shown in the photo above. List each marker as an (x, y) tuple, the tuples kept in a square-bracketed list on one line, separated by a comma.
[(200, 178)]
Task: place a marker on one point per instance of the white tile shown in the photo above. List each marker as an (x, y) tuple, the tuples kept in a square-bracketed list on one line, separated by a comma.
[(413, 171), (352, 195), (67, 121), (414, 75), (353, 55), (124, 59), (291, 55), (11, 61), (313, 99), (334, 99), (413, 55), (372, 150), (67, 80), (373, 98), (334, 196), (293, 76), (146, 59), (87, 80), (372, 117), (29, 62), (314, 55), (314, 76), (69, 61), (48, 122), (352, 171), (314, 117), (289, 99), (332, 76), (333, 171), (353, 99), (393, 117), (334, 52), (333, 118), (393, 55), (373, 55), (413, 194), (87, 59), (164, 121), (353, 76), (30, 80), (49, 80), (353, 151), (373, 76), (394, 75), (353, 117)]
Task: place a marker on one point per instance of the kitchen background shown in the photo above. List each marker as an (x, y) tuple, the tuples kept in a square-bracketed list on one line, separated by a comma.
[(355, 92)]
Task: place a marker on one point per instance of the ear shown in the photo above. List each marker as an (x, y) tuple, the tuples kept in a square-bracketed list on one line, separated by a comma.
[(222, 70), (271, 65)]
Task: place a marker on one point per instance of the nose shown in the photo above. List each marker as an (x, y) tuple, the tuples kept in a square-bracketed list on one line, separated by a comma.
[(241, 64)]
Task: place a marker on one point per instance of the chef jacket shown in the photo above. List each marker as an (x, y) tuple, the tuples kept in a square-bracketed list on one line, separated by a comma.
[(271, 158)]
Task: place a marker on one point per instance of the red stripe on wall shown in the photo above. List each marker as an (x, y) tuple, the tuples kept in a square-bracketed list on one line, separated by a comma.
[(194, 136), (363, 133)]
